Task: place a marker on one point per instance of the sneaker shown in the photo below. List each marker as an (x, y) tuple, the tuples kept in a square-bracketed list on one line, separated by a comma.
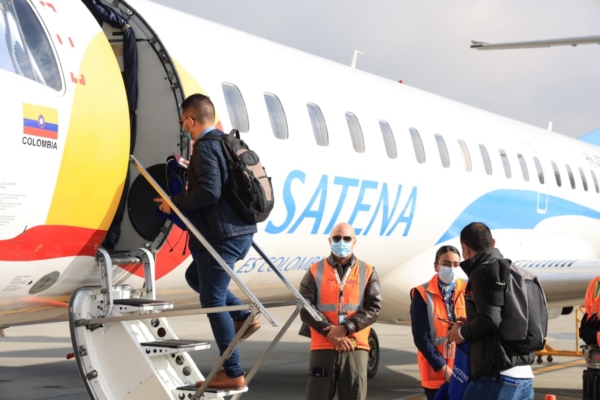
[(224, 382), (253, 327)]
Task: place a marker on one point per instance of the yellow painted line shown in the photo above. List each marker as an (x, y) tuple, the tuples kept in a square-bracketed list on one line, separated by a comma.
[(558, 366)]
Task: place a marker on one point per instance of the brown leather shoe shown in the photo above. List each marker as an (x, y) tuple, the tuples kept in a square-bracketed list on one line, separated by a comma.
[(253, 327), (224, 382)]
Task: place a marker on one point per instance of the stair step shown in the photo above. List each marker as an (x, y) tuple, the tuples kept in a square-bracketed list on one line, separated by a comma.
[(162, 347), (137, 305), (212, 393)]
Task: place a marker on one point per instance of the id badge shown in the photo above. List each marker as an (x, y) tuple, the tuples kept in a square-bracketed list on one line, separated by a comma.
[(342, 317), (449, 350)]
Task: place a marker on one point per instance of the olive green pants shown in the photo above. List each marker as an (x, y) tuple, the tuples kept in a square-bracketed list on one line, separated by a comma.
[(328, 369)]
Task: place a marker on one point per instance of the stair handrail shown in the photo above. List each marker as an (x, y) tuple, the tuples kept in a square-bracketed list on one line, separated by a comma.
[(202, 240), (306, 305)]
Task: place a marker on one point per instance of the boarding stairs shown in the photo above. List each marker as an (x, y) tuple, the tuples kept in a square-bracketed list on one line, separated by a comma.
[(124, 345)]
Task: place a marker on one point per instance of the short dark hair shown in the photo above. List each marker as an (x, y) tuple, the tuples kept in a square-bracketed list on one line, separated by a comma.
[(200, 106), (477, 236), (443, 250)]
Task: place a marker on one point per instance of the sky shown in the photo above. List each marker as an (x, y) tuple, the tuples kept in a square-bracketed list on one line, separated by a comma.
[(426, 43)]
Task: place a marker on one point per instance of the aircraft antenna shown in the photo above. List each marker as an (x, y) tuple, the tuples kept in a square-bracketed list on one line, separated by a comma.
[(550, 126), (354, 57)]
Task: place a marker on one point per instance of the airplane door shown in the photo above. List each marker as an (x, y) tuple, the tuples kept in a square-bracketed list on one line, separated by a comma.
[(542, 178)]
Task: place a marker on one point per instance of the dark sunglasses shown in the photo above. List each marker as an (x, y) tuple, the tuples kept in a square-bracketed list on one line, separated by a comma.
[(337, 238)]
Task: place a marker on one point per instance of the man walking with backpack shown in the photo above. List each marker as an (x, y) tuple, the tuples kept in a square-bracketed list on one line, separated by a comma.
[(497, 370), (208, 205)]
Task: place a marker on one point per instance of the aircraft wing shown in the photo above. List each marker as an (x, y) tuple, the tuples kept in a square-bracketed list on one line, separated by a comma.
[(535, 43), (564, 281)]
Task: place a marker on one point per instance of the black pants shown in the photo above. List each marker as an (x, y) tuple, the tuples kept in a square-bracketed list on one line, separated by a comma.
[(430, 393), (328, 369)]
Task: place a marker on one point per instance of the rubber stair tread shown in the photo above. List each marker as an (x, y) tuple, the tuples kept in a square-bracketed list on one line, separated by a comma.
[(230, 392), (141, 302), (174, 344)]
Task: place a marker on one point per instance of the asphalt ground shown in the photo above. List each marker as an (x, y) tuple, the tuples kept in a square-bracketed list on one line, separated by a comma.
[(33, 363)]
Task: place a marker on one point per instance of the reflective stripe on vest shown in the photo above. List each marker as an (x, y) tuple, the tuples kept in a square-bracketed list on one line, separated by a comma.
[(362, 283), (328, 297), (430, 314)]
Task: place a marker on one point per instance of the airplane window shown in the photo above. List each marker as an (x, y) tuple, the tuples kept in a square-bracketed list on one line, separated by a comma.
[(236, 107), (595, 181), (557, 174), (571, 177), (358, 142), (583, 180), (467, 156), (318, 124), (418, 145), (443, 149), (505, 163), (486, 159), (277, 116), (24, 46), (539, 169), (523, 167), (388, 139)]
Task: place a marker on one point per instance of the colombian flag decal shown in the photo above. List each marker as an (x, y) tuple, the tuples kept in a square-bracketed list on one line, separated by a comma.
[(40, 121)]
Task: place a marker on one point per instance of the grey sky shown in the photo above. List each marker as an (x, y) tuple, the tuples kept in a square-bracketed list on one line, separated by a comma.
[(426, 44)]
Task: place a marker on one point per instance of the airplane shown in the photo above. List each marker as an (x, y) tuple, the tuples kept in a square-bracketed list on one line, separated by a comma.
[(408, 169)]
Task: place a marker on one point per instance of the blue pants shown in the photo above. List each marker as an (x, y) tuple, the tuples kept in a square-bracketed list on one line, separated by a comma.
[(507, 389), (207, 278)]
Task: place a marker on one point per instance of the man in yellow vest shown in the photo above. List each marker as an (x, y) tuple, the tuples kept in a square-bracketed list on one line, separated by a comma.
[(434, 308), (347, 295)]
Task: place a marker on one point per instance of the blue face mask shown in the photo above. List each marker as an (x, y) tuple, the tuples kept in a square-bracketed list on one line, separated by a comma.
[(341, 248), (447, 275), (187, 135)]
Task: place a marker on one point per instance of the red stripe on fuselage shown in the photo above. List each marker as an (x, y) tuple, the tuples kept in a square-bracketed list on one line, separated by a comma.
[(168, 258), (51, 241)]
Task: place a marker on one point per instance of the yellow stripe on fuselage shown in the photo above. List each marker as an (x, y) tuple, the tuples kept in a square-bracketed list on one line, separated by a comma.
[(189, 84), (94, 164)]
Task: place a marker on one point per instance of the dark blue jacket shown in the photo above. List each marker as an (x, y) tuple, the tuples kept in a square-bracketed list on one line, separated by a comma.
[(206, 200)]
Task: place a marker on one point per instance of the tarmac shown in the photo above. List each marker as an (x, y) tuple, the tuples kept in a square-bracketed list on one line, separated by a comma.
[(33, 364)]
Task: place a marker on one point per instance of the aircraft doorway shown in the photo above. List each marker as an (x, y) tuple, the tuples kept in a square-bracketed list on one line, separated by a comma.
[(155, 115)]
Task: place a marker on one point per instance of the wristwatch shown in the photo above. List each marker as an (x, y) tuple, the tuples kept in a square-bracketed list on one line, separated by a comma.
[(347, 329)]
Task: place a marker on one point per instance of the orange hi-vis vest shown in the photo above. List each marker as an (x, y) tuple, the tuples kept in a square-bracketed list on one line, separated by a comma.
[(328, 299), (436, 307), (592, 297)]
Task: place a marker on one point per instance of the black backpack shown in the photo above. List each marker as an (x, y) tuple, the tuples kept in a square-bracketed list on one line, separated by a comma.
[(250, 189), (524, 323)]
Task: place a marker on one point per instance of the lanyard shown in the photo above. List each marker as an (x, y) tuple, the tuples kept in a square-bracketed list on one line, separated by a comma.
[(341, 284)]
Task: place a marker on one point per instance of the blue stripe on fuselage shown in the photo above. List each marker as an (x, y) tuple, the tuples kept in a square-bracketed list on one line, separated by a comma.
[(513, 209)]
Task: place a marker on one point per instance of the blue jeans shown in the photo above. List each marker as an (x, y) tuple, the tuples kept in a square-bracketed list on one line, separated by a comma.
[(507, 389), (207, 278)]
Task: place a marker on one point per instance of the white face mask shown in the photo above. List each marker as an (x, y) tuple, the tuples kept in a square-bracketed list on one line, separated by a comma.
[(447, 275)]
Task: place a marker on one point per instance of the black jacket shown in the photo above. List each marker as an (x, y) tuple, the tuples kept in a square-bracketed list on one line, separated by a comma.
[(488, 355), (365, 316), (206, 201)]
